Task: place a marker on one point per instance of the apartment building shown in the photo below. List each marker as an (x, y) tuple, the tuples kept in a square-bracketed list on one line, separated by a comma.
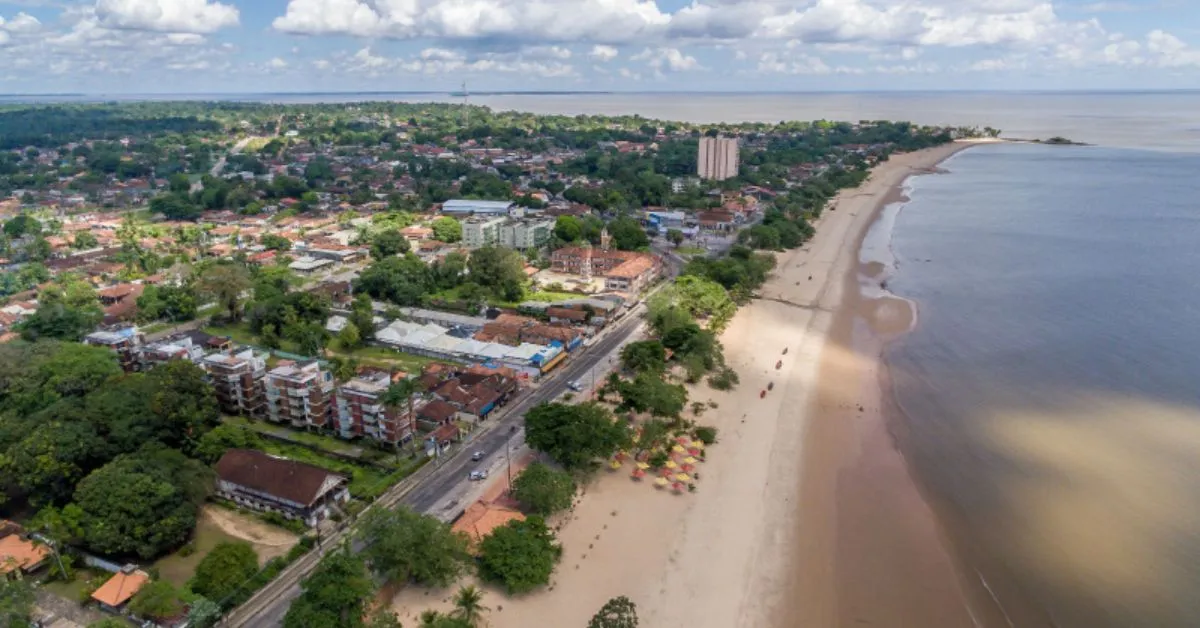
[(526, 233), (482, 231), (124, 341), (238, 379), (190, 346), (718, 158), (361, 414), (301, 394)]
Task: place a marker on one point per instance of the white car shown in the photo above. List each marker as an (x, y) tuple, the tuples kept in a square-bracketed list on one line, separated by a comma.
[(478, 475), (477, 456)]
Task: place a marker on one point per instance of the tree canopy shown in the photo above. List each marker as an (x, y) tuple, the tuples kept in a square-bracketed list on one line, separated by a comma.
[(644, 355), (404, 546), (619, 612), (388, 243), (543, 490), (575, 435), (336, 593), (224, 569), (520, 555), (628, 235), (447, 229)]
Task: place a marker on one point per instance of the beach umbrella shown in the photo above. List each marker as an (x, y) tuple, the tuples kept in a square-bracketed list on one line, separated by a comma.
[(687, 467), (678, 486), (661, 482), (638, 474), (643, 465), (615, 464), (678, 449), (693, 451), (683, 477), (689, 460), (671, 464), (682, 440)]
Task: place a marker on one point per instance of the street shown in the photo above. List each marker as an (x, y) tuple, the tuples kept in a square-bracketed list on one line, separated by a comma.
[(448, 477)]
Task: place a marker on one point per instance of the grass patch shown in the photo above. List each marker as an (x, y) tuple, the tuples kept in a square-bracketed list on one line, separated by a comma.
[(74, 589), (549, 296), (691, 250), (177, 568), (382, 356), (366, 482), (327, 443)]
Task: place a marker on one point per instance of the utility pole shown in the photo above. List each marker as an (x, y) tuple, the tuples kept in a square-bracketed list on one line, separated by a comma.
[(466, 106), (508, 460)]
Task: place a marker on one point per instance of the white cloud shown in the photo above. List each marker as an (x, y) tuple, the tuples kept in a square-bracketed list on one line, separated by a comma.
[(180, 16), (603, 54), (277, 64), (440, 61), (529, 20), (667, 59), (21, 23)]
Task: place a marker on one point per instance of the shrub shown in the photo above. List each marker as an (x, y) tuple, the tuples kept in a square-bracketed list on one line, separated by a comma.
[(707, 434)]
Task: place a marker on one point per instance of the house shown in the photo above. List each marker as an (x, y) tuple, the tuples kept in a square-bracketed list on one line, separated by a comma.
[(308, 265), (120, 301), (566, 315), (268, 483), (123, 585), (19, 556), (190, 346), (717, 221), (436, 414)]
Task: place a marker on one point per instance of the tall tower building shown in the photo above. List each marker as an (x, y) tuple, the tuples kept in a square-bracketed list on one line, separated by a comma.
[(717, 158)]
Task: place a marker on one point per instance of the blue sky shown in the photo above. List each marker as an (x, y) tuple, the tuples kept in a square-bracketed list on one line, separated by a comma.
[(195, 46)]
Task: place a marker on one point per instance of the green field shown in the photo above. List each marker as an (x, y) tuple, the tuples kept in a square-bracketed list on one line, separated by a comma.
[(691, 250), (372, 355)]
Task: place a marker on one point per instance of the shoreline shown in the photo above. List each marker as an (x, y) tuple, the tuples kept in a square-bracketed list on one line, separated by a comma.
[(752, 547), (871, 549)]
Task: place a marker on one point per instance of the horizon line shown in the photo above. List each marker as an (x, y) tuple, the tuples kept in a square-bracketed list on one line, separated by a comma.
[(456, 93)]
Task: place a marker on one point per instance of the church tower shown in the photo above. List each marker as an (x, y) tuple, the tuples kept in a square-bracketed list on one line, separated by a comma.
[(585, 267), (604, 239)]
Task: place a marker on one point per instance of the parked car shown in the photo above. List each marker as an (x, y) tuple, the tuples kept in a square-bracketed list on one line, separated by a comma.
[(575, 385), (477, 456), (478, 475)]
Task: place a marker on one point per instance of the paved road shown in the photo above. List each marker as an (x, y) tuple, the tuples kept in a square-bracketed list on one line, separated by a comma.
[(449, 477)]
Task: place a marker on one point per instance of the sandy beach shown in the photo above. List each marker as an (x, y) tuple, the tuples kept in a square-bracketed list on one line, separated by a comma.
[(805, 514)]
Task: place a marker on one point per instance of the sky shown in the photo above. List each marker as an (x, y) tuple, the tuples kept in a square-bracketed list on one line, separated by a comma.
[(254, 46)]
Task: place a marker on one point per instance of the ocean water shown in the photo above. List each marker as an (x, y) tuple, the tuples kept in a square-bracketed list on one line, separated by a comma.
[(1158, 120), (1051, 388)]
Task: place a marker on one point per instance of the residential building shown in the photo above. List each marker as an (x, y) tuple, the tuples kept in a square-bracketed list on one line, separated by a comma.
[(308, 265), (718, 158), (717, 221), (190, 346), (661, 221), (125, 341), (267, 483), (120, 301), (361, 414), (526, 233), (120, 588), (467, 207), (482, 231), (300, 394), (19, 556), (238, 379)]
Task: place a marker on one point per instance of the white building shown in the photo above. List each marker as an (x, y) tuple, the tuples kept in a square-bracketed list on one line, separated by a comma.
[(466, 207), (527, 233), (718, 158), (482, 230)]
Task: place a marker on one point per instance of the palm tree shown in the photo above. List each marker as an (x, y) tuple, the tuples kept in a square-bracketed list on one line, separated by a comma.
[(400, 393), (468, 605)]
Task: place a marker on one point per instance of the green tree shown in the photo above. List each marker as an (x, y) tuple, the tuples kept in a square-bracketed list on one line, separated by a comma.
[(520, 555), (142, 503), (85, 240), (274, 242), (628, 235), (224, 283), (157, 599), (224, 569), (22, 225), (383, 618), (403, 393), (49, 461), (468, 605), (224, 437), (568, 228), (362, 315), (575, 435), (500, 270), (619, 612), (349, 338), (203, 613), (400, 280), (336, 593), (647, 392), (109, 622), (388, 243), (702, 298), (543, 490), (169, 303), (644, 355), (16, 603), (446, 229), (404, 546), (675, 236)]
